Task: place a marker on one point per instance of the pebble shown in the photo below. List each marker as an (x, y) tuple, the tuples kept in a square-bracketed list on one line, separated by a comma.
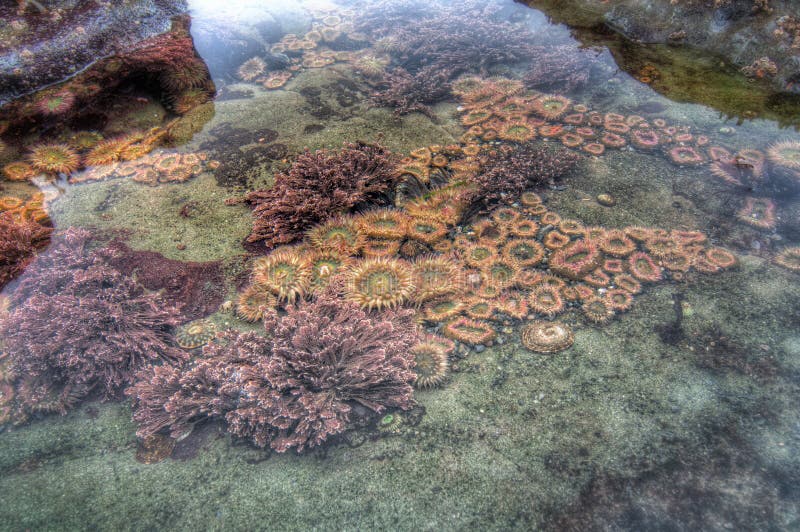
[(606, 200), (480, 348)]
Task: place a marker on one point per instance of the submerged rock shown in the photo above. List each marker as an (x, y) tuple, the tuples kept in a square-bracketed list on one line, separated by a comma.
[(47, 41)]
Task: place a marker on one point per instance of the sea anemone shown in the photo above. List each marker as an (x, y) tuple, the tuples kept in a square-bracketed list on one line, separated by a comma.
[(594, 148), (628, 283), (501, 273), (480, 254), (550, 106), (597, 310), (434, 277), (55, 103), (105, 152), (427, 230), (388, 224), (443, 309), (597, 278), (645, 139), (618, 299), (546, 300), (276, 80), (340, 234), (515, 306), (575, 260), (641, 266), (571, 227), (380, 247), (505, 216), (551, 218), (18, 171), (571, 140), (465, 330), (612, 140), (284, 272), (430, 364), (758, 212), (678, 260), (251, 69), (555, 240), (719, 257), (195, 334), (640, 234), (785, 153), (516, 131), (523, 251), (789, 258), (381, 283), (551, 130), (54, 158), (253, 301), (613, 266), (685, 156), (617, 243), (546, 336), (530, 199), (479, 309)]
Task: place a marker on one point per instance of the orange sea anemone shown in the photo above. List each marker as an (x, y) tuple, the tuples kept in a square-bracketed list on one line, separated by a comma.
[(480, 254), (551, 106), (18, 171), (613, 266), (513, 305), (576, 259), (551, 218), (617, 243), (618, 299), (530, 199), (339, 234), (640, 234), (597, 310), (516, 131), (380, 247), (525, 252), (612, 140), (500, 273), (597, 278), (284, 272), (387, 224), (628, 283), (551, 130), (594, 148), (430, 360), (465, 330), (505, 216), (251, 69), (443, 309), (758, 212), (641, 266), (547, 300), (427, 230), (571, 227), (555, 240), (571, 140), (252, 302), (105, 152), (435, 276), (719, 257), (789, 258), (478, 308), (381, 283), (685, 156), (546, 336), (324, 265), (54, 159), (574, 119), (785, 154)]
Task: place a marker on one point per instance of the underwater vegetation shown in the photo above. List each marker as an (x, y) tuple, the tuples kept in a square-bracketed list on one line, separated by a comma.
[(318, 186), (108, 328), (19, 241), (323, 363)]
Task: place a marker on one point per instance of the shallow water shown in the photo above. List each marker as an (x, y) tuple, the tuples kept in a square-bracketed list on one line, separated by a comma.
[(679, 412)]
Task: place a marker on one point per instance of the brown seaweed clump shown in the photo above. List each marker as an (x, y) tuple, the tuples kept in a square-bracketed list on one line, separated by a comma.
[(318, 186)]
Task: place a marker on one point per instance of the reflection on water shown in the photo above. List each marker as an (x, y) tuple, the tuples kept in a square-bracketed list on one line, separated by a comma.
[(440, 250)]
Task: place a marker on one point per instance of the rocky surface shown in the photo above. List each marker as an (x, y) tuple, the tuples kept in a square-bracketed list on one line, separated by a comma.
[(46, 41), (738, 31)]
